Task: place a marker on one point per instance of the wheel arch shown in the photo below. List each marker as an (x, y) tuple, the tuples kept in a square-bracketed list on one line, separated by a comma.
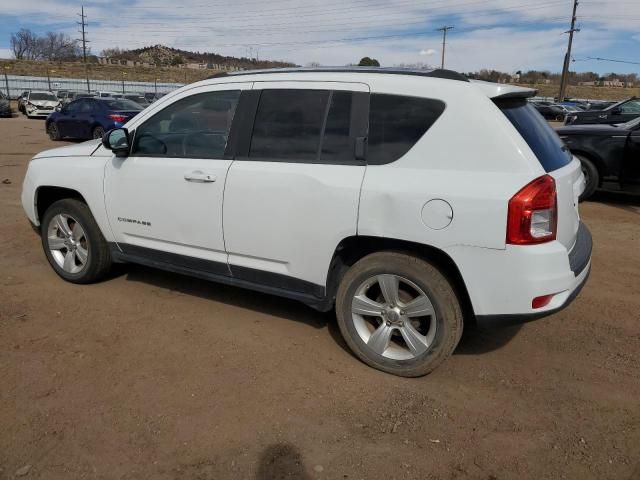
[(353, 248), (597, 161), (47, 195)]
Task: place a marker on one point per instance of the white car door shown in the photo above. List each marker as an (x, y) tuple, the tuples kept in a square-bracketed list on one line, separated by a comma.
[(164, 201), (292, 196)]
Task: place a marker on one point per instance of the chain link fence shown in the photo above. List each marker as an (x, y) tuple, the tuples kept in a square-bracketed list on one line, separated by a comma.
[(14, 85)]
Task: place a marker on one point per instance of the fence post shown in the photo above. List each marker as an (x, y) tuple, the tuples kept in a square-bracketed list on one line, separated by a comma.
[(6, 81)]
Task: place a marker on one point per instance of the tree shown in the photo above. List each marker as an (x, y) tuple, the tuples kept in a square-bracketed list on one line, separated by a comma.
[(24, 44), (368, 62)]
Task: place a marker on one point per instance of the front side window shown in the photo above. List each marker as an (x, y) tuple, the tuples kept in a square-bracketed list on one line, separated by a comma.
[(74, 107), (396, 123), (193, 127)]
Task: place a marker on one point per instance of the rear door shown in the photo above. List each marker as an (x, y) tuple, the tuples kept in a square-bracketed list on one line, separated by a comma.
[(293, 193), (626, 112), (630, 175)]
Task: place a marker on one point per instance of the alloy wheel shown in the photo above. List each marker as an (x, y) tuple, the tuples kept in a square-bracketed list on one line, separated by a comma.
[(67, 243), (394, 317)]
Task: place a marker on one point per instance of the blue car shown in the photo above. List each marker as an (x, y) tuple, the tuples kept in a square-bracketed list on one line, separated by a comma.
[(87, 118)]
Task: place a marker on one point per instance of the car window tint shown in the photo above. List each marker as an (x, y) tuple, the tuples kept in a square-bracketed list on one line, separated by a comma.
[(74, 107), (396, 123), (86, 106), (631, 107), (336, 145), (288, 124), (122, 105), (541, 138), (193, 127)]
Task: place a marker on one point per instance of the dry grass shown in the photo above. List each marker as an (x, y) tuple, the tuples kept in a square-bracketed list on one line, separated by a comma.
[(105, 72), (591, 93)]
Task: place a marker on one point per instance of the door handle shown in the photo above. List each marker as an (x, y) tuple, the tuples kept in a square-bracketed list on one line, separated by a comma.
[(200, 177)]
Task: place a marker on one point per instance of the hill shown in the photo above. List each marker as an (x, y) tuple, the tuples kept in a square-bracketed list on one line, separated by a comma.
[(167, 56)]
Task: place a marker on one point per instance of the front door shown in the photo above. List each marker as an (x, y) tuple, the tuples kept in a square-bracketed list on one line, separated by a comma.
[(293, 194), (164, 201)]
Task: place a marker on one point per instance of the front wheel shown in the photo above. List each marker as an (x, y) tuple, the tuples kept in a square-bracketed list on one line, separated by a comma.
[(399, 314), (73, 242)]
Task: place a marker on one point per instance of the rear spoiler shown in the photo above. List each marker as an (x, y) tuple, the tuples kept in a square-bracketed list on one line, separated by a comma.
[(500, 91)]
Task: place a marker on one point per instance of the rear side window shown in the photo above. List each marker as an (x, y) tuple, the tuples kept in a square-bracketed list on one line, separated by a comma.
[(396, 123), (543, 141)]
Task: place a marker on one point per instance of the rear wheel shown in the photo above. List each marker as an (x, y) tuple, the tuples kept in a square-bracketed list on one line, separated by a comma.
[(399, 314), (73, 242), (52, 130), (98, 132), (591, 177)]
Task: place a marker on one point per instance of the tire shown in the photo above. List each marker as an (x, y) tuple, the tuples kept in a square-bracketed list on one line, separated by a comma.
[(97, 132), (440, 330), (54, 133), (591, 176), (66, 251)]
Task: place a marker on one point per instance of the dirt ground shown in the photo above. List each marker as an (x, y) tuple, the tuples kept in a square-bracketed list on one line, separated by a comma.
[(152, 375)]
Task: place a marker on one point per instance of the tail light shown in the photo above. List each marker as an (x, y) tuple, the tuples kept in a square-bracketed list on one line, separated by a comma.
[(533, 213), (118, 118)]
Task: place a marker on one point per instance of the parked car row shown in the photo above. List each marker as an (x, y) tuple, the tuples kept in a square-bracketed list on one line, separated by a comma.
[(39, 104)]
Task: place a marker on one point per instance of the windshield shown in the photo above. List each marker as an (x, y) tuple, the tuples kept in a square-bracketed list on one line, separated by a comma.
[(43, 96), (541, 138), (122, 104)]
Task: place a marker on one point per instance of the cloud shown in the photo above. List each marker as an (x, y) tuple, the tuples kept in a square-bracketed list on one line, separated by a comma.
[(491, 34)]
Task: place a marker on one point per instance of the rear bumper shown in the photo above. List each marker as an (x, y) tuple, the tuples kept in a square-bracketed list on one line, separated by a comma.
[(496, 321), (503, 283)]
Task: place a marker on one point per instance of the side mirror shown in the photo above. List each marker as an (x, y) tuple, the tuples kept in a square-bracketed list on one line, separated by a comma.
[(117, 140), (616, 111)]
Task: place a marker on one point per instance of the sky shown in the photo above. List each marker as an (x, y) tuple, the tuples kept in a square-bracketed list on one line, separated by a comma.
[(506, 35)]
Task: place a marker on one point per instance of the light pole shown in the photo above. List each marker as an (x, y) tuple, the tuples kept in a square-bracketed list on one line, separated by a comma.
[(155, 86), (124, 74), (49, 77)]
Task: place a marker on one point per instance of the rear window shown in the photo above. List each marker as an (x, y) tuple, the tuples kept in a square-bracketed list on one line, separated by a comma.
[(541, 138), (122, 104), (396, 123)]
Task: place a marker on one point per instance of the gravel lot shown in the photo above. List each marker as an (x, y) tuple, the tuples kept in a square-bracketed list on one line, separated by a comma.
[(151, 375)]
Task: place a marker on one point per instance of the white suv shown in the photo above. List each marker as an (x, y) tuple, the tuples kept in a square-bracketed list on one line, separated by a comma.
[(412, 202)]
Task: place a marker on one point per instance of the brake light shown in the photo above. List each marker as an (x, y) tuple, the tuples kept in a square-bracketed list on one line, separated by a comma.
[(533, 213), (117, 118)]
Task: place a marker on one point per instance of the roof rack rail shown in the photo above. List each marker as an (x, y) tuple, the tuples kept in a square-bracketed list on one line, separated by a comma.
[(437, 73)]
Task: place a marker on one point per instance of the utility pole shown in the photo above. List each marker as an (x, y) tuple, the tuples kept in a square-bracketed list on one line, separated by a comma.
[(84, 41), (444, 31), (567, 58), (124, 74)]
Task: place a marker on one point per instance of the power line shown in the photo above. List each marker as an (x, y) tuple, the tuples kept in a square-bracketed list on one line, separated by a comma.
[(600, 59), (444, 31)]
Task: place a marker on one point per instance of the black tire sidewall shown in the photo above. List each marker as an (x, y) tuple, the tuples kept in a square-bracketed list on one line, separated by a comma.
[(96, 129), (593, 178), (53, 136), (75, 209), (448, 316)]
